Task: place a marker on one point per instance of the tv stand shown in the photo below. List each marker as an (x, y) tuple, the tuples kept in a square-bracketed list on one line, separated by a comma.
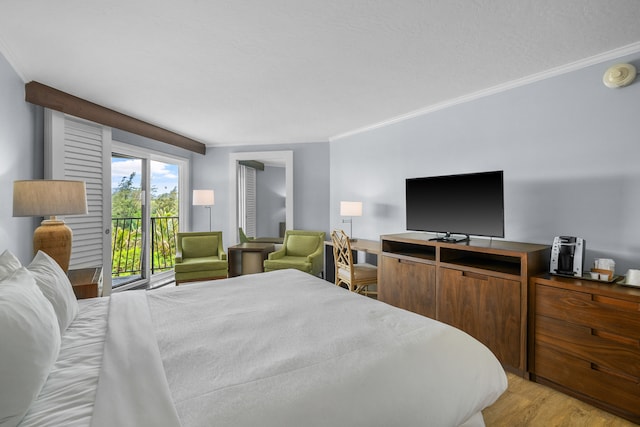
[(479, 286), (450, 239)]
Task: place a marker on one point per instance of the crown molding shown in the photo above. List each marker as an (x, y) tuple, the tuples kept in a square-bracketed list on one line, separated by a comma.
[(553, 72), (11, 59)]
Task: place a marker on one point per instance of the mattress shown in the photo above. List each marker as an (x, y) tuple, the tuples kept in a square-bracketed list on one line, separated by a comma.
[(271, 349)]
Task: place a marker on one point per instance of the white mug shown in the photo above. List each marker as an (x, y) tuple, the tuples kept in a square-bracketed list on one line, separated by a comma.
[(633, 277), (605, 264)]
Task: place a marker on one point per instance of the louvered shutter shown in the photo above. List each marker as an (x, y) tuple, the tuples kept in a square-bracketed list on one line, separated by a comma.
[(77, 149), (250, 188), (247, 200)]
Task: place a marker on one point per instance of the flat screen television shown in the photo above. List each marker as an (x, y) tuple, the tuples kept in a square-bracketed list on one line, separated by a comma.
[(465, 204)]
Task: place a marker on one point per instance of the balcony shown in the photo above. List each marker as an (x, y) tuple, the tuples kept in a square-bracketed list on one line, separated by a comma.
[(127, 249)]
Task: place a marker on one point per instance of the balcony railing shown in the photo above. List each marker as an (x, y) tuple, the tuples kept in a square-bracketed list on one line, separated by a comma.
[(127, 248)]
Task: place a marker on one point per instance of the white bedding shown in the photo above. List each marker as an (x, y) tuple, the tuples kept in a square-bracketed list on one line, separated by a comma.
[(68, 395), (287, 349)]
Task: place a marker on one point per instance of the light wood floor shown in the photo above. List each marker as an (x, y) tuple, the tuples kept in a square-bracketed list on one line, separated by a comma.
[(526, 403)]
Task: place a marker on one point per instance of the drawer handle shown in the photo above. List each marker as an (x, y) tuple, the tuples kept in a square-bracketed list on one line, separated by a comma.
[(472, 275)]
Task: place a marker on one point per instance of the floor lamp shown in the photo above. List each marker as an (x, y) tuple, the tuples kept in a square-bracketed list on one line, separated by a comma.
[(204, 198), (51, 198), (350, 209)]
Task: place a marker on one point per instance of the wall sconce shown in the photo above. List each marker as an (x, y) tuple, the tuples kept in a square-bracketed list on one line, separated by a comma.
[(619, 75), (51, 198), (350, 209), (204, 198)]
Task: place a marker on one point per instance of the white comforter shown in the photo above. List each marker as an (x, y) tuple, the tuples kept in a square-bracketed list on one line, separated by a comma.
[(286, 349)]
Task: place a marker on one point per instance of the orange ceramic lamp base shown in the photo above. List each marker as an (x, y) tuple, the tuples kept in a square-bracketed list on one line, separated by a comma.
[(54, 238)]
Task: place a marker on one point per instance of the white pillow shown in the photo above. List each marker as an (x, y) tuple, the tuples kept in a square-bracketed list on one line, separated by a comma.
[(30, 344), (55, 285), (8, 264)]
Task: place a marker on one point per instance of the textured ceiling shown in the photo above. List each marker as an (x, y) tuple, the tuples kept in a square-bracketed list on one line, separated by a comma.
[(256, 71)]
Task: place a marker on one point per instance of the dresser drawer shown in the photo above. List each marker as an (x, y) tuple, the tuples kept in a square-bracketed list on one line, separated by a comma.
[(618, 355), (585, 378), (605, 314)]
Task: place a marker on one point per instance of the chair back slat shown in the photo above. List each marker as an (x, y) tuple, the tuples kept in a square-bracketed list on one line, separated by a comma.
[(342, 254), (345, 267)]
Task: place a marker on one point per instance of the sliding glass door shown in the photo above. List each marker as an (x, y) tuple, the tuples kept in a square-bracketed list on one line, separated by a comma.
[(147, 199)]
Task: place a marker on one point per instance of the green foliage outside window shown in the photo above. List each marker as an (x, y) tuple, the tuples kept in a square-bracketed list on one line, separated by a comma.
[(126, 230)]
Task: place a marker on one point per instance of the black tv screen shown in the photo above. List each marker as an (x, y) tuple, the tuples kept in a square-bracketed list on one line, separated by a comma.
[(469, 204)]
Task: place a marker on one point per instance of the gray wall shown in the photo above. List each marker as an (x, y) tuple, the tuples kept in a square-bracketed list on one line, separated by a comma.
[(310, 187), (270, 200), (21, 145), (569, 148)]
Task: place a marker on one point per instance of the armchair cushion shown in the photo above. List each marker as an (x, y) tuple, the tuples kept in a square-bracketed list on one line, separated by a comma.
[(199, 246), (200, 264), (288, 262), (302, 245)]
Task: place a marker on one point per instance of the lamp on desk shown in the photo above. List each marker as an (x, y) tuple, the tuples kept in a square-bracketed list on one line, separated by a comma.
[(204, 198), (50, 198), (350, 209)]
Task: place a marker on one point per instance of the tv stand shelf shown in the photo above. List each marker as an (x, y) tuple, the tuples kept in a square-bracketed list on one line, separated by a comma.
[(409, 249), (479, 286)]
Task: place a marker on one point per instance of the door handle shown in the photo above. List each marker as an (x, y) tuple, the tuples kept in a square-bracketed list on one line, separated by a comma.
[(473, 275)]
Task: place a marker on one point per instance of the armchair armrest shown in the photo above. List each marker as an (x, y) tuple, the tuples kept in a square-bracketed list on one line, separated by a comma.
[(178, 256), (316, 258), (221, 253), (278, 254)]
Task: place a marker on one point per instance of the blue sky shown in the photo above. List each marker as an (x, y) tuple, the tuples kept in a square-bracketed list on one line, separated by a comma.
[(164, 176)]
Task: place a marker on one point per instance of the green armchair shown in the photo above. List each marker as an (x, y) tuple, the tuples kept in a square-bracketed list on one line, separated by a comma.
[(200, 256), (302, 250), (243, 236)]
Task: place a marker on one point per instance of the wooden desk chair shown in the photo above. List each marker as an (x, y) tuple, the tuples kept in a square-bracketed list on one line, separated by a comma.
[(357, 277)]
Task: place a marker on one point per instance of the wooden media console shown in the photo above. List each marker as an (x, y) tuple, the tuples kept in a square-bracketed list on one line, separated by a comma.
[(479, 286)]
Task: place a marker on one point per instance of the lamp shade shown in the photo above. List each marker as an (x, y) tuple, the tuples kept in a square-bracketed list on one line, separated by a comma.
[(350, 208), (203, 198), (49, 198)]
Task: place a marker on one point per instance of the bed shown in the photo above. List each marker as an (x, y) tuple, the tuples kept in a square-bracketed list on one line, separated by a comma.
[(274, 349)]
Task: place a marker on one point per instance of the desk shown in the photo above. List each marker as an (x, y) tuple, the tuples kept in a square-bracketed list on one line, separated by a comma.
[(276, 240), (247, 258), (369, 247)]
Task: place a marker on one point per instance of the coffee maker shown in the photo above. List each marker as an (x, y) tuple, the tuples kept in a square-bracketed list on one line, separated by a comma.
[(567, 256)]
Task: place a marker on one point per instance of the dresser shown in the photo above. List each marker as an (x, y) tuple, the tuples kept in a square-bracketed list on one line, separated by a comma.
[(585, 341)]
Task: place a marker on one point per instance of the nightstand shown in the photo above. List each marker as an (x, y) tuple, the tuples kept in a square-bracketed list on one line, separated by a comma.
[(86, 282)]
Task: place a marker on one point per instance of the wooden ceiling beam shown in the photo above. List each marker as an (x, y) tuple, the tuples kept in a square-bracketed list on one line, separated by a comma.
[(46, 96)]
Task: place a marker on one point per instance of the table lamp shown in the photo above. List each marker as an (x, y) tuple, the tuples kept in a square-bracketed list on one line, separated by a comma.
[(350, 209), (204, 198), (51, 198)]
